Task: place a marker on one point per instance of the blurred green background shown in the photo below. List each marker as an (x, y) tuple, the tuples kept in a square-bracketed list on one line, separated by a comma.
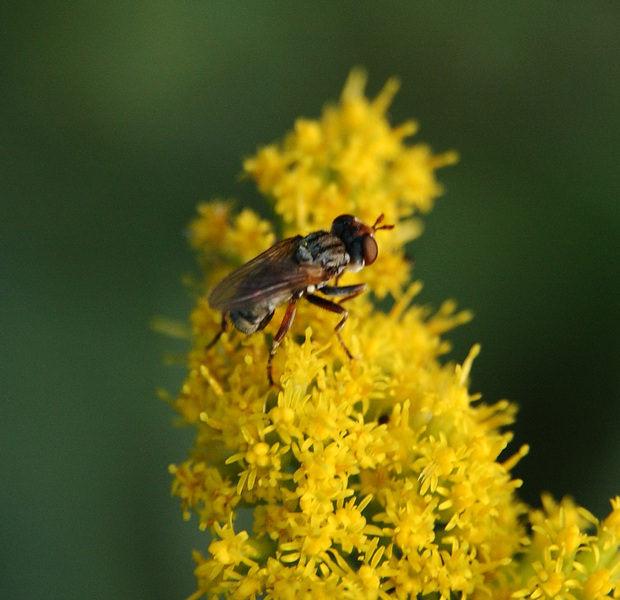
[(117, 118)]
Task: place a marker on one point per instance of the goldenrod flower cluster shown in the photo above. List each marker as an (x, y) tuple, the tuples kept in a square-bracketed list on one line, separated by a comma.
[(377, 477)]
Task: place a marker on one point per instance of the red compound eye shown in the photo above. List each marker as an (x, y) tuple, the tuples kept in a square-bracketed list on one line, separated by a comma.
[(369, 248)]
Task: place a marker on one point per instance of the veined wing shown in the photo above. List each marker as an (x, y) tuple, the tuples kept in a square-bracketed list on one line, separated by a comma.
[(272, 275)]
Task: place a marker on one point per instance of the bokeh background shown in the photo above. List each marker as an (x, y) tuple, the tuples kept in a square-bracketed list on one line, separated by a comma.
[(116, 119)]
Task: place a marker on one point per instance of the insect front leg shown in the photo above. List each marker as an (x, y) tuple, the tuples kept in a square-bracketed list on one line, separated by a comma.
[(287, 321), (348, 292)]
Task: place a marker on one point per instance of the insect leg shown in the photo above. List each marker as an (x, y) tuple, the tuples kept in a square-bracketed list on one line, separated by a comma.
[(335, 308), (348, 291), (287, 321), (224, 327)]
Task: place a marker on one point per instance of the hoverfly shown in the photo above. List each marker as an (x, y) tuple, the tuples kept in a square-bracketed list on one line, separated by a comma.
[(295, 268)]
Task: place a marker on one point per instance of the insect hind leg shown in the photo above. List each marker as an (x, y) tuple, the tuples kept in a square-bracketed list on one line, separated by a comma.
[(218, 335)]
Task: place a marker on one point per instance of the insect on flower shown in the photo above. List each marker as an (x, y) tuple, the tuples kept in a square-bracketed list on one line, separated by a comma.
[(295, 268)]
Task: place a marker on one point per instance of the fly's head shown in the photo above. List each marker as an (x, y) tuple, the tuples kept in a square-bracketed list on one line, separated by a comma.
[(359, 239)]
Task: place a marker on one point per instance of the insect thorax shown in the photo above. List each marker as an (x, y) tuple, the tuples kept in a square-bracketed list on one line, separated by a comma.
[(323, 249)]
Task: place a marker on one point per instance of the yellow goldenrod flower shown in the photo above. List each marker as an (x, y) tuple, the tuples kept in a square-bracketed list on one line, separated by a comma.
[(373, 478)]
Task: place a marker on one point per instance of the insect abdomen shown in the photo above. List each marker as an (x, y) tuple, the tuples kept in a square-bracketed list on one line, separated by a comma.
[(251, 320)]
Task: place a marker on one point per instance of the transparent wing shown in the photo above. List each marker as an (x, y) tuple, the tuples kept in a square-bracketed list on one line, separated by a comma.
[(272, 275)]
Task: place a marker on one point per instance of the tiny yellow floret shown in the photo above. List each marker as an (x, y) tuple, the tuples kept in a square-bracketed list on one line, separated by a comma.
[(374, 478)]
